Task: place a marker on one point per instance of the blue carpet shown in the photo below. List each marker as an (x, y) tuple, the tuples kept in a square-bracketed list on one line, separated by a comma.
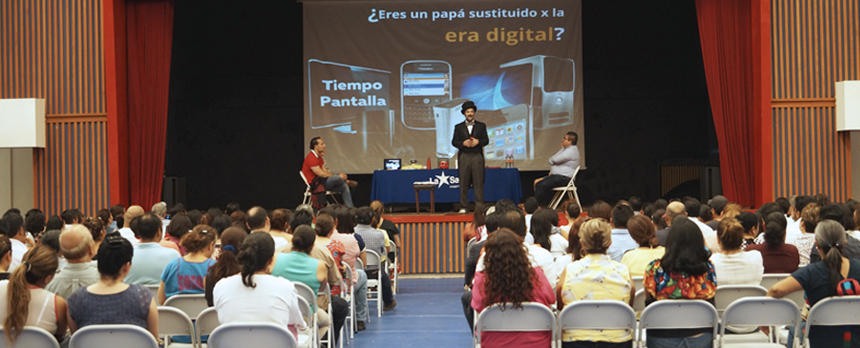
[(428, 314)]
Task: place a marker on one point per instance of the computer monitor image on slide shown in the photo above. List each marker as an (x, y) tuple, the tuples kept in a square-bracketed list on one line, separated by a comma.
[(553, 81)]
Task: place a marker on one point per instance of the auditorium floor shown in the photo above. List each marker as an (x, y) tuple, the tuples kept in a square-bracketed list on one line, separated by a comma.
[(428, 314)]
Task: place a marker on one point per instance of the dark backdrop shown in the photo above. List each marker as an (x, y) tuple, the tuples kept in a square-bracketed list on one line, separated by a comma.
[(235, 112)]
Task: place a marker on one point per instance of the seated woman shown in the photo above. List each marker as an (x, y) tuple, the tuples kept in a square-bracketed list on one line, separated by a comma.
[(110, 301), (24, 300), (777, 255), (185, 275), (227, 264), (819, 280), (508, 277), (684, 266), (177, 228), (596, 277), (733, 265), (255, 295), (546, 233), (5, 257), (643, 232), (806, 240)]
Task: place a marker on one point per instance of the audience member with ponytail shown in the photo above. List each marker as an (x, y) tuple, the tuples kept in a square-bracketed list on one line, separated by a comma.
[(110, 300), (255, 295), (819, 280), (184, 275), (643, 232), (596, 277), (25, 302), (779, 256), (733, 265), (228, 263)]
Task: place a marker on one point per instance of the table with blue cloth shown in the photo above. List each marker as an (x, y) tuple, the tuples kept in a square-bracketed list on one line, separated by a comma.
[(395, 186)]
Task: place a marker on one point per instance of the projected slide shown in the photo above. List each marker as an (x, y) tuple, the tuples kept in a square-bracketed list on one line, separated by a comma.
[(387, 79)]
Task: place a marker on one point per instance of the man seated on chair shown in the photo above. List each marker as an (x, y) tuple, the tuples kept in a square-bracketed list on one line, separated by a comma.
[(563, 164), (314, 166)]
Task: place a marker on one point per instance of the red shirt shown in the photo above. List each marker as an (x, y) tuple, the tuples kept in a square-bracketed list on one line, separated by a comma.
[(312, 160), (780, 260)]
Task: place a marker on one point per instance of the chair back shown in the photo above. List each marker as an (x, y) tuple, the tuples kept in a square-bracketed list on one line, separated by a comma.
[(469, 245), (373, 259), (679, 314), (153, 288), (206, 322), (259, 334), (174, 322), (304, 179), (637, 282), (347, 274), (761, 311), (768, 279), (191, 304), (306, 293), (532, 316), (359, 264), (726, 294), (118, 335), (839, 310), (597, 315), (639, 301), (30, 337)]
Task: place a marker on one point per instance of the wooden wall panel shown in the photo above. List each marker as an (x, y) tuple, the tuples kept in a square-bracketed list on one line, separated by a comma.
[(53, 49), (432, 247), (815, 43)]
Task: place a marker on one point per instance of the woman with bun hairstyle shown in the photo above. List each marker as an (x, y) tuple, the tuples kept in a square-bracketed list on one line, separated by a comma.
[(184, 275), (25, 302), (228, 263), (643, 232), (778, 256)]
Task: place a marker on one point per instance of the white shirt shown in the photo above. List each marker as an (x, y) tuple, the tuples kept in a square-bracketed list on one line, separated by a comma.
[(709, 234), (127, 233), (743, 268), (558, 245), (273, 300), (792, 228), (18, 251)]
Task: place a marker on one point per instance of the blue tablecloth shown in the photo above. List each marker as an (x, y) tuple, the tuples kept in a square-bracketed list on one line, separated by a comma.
[(395, 186)]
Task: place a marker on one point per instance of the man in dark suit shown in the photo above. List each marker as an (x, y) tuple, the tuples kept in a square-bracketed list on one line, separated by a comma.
[(470, 137)]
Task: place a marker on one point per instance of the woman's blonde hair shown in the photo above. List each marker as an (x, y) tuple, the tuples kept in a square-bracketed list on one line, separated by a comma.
[(595, 236)]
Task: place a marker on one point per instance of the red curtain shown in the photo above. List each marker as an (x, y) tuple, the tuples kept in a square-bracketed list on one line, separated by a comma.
[(726, 35), (149, 34)]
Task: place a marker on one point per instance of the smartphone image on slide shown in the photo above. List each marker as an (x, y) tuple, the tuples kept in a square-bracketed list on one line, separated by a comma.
[(424, 84)]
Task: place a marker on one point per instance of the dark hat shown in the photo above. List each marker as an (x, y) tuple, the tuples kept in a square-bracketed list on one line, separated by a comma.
[(718, 202), (468, 105)]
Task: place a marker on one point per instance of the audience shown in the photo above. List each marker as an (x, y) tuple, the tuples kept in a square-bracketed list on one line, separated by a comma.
[(77, 246), (98, 232), (642, 231), (184, 275), (835, 213), (25, 302), (110, 301), (509, 277), (324, 229), (574, 252), (545, 232), (5, 256), (279, 228), (805, 242), (778, 256), (732, 265), (595, 277), (17, 236), (150, 257), (354, 246), (126, 231), (377, 241), (390, 228), (571, 213), (177, 228), (228, 263), (621, 240)]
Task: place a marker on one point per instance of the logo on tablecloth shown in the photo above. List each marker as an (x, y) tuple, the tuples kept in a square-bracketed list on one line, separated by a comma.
[(451, 181)]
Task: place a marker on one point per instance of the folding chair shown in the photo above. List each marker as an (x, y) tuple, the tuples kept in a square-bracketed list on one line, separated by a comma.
[(30, 337), (728, 294), (678, 314), (532, 316), (759, 311), (191, 304), (206, 321), (637, 282), (347, 292), (833, 311), (307, 294), (308, 339), (769, 279), (259, 334), (174, 322), (307, 198), (570, 190), (596, 315), (639, 301), (469, 245), (327, 292), (394, 267), (373, 259), (119, 335), (153, 288)]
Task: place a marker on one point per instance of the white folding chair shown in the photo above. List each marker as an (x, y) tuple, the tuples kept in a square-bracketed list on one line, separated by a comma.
[(206, 321), (833, 311), (191, 304), (119, 335), (759, 311), (30, 337), (307, 294), (678, 314), (726, 294), (639, 301), (310, 337), (307, 198), (596, 315), (768, 279), (569, 189), (327, 292), (532, 316), (153, 288), (637, 282), (374, 286), (174, 322), (260, 334), (347, 292), (394, 267), (469, 245)]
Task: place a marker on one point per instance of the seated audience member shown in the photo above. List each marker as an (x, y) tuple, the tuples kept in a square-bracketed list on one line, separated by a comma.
[(621, 239), (475, 254), (571, 213), (542, 230), (530, 206), (509, 277), (227, 264), (563, 166), (110, 301), (685, 265), (34, 223), (354, 246), (390, 228), (54, 223), (820, 279), (150, 257), (324, 229), (255, 295), (5, 256), (76, 243), (98, 232), (596, 277), (600, 210), (299, 266), (691, 207), (17, 236), (475, 228), (184, 275), (835, 213), (126, 231), (806, 240), (375, 240), (104, 216), (733, 265), (717, 207), (750, 223), (673, 210), (642, 231), (279, 228), (179, 225), (732, 209), (778, 256), (25, 302), (574, 252)]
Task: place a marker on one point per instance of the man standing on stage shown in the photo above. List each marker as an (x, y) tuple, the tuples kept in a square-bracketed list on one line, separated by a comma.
[(470, 137), (314, 166), (563, 164)]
